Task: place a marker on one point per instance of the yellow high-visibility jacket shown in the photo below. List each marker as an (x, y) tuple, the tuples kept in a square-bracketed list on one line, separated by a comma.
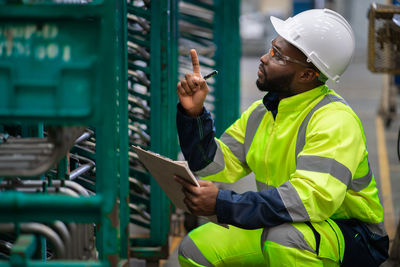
[(310, 162)]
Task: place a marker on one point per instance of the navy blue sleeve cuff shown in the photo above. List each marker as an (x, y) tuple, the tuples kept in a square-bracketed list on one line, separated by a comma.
[(196, 138), (251, 210), (221, 214), (181, 112)]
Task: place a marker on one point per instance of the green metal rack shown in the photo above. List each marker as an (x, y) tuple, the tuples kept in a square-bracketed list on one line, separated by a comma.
[(151, 77), (93, 77), (154, 31), (212, 28), (61, 63)]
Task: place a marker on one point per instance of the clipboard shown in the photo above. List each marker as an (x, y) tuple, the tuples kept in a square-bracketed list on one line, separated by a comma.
[(163, 171)]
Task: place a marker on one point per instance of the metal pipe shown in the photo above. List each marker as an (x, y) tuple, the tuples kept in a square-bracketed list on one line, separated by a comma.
[(78, 242), (5, 247), (62, 230), (77, 187), (81, 230), (138, 186), (85, 136), (57, 263), (145, 25), (38, 184), (80, 170), (72, 227), (141, 211), (85, 236), (139, 49), (90, 164), (144, 136), (52, 190), (81, 158), (38, 228)]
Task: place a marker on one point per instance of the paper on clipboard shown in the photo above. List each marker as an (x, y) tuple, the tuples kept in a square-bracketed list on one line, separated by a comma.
[(163, 170)]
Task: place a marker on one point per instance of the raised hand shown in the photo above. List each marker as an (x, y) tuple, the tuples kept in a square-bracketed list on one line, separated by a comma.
[(192, 91)]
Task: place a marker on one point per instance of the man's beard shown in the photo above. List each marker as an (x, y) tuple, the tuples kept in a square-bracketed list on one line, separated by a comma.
[(280, 84)]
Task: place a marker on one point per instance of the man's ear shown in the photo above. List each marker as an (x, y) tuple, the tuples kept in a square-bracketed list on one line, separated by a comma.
[(308, 75)]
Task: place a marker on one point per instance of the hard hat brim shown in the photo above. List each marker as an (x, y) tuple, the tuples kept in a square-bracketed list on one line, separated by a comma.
[(279, 26), (281, 29)]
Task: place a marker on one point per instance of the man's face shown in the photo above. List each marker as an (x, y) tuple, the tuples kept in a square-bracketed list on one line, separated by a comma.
[(274, 76)]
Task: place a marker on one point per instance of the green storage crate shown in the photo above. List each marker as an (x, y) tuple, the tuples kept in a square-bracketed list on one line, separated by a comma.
[(63, 63), (53, 61)]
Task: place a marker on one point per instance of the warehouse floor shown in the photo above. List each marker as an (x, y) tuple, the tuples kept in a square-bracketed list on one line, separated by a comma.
[(362, 90)]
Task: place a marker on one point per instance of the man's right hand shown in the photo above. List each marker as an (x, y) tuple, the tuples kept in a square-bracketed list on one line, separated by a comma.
[(192, 91)]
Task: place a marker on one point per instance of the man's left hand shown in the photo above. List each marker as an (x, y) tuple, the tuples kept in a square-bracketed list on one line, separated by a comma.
[(200, 201)]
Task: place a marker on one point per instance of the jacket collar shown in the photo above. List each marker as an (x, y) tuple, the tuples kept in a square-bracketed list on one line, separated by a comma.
[(292, 103)]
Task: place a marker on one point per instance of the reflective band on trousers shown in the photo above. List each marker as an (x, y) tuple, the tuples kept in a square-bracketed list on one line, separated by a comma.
[(189, 250), (279, 234)]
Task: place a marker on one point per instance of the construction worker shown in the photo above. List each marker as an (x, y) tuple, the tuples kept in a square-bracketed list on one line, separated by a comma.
[(317, 202)]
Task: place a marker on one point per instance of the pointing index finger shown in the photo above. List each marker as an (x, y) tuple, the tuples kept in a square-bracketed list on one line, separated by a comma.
[(195, 61)]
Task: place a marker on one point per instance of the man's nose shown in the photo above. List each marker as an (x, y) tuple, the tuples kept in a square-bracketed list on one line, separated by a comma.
[(264, 59)]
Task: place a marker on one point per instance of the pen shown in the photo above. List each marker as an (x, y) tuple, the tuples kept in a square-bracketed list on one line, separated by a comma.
[(211, 74)]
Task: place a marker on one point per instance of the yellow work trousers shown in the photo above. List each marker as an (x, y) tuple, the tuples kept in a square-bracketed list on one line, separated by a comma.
[(288, 244)]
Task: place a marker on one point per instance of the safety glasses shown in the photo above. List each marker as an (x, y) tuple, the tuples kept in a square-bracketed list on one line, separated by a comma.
[(280, 59)]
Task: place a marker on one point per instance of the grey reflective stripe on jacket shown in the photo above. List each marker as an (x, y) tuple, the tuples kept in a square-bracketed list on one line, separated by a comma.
[(293, 203), (253, 122), (235, 146), (301, 135), (263, 186), (217, 165), (239, 150), (335, 169), (327, 165), (358, 184)]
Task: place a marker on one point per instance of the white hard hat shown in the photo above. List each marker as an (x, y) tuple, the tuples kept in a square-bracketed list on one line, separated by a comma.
[(323, 35)]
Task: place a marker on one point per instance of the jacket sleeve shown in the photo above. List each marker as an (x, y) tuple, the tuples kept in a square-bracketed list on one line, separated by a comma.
[(196, 138), (210, 158), (334, 148)]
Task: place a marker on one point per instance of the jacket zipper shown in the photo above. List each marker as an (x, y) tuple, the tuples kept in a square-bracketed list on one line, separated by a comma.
[(268, 147)]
